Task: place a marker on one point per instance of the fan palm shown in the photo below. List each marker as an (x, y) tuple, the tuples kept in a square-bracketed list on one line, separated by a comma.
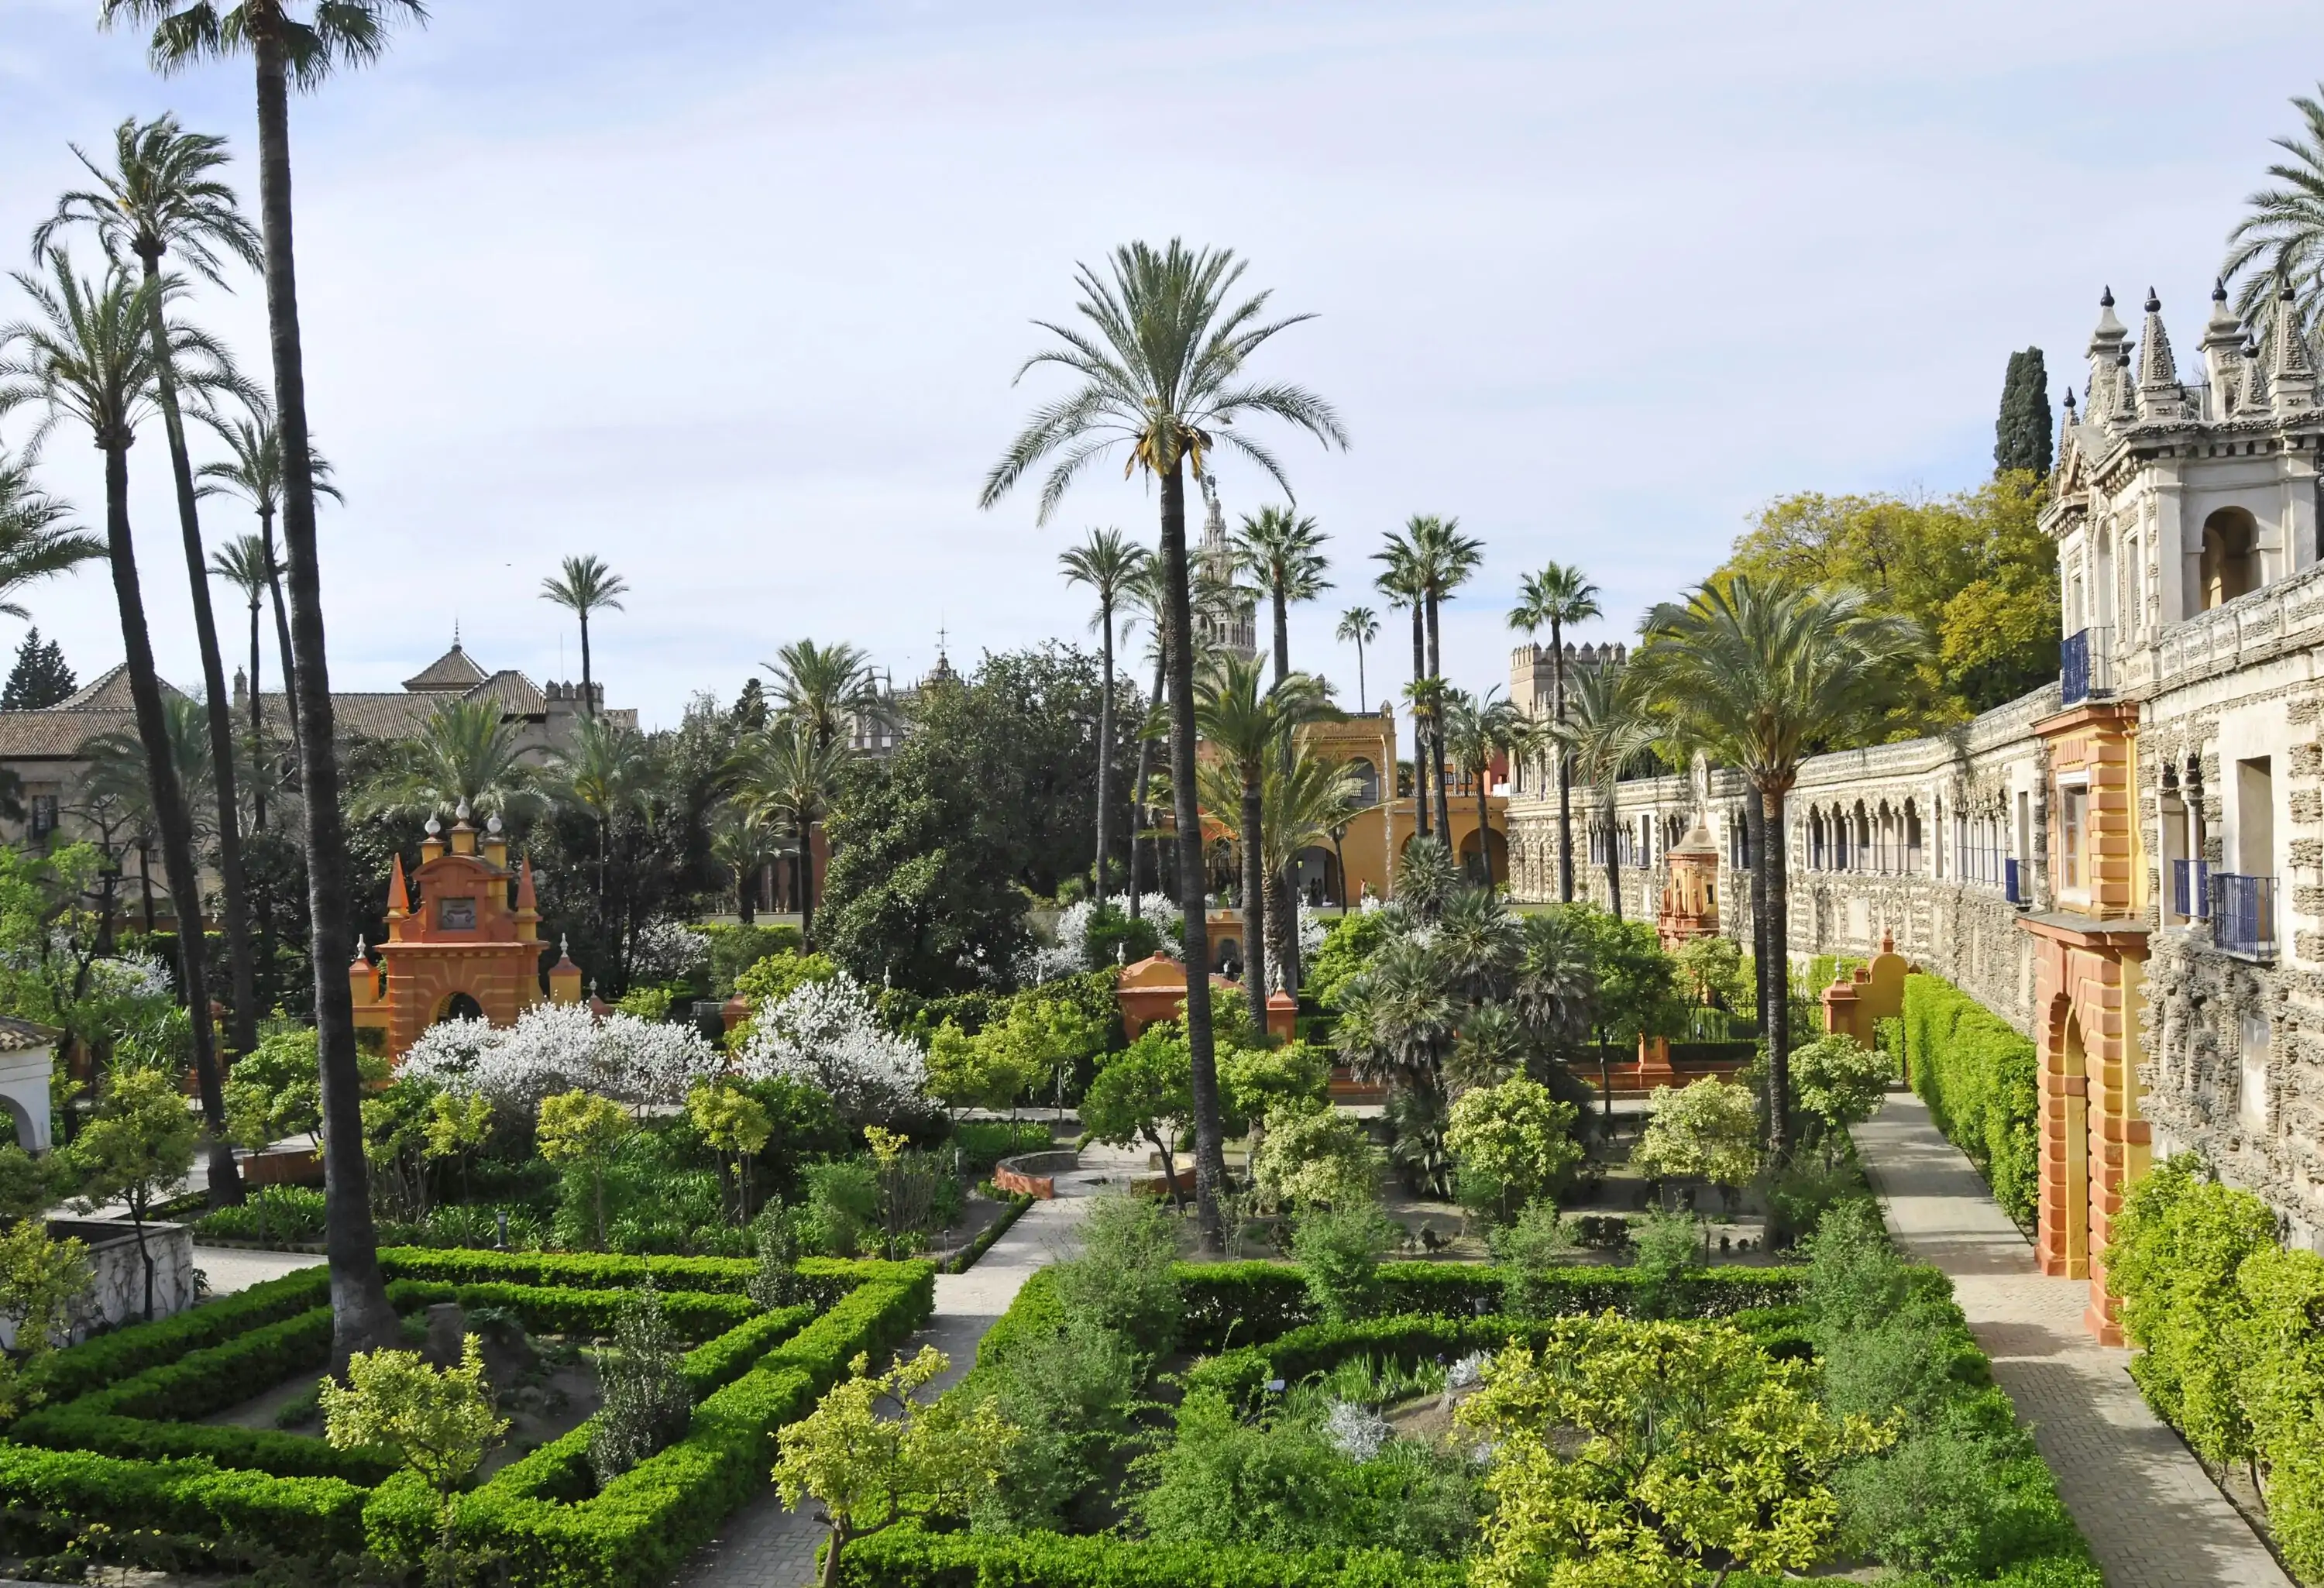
[(1476, 729), (1402, 581), (1107, 561), (291, 46), (1556, 597), (120, 774), (242, 563), (2277, 248), (1160, 363), (1247, 723), (1359, 626), (1477, 945), (37, 539), (1555, 990), (89, 358), (581, 586), (465, 758), (787, 773), (825, 687), (252, 471), (162, 197), (745, 844), (1757, 673), (1284, 553)]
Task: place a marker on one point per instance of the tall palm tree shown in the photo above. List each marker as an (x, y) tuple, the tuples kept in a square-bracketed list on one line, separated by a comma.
[(1557, 596), (288, 45), (1607, 724), (1301, 803), (1106, 561), (1446, 558), (1758, 673), (89, 358), (1401, 580), (163, 198), (605, 770), (2277, 248), (827, 687), (1249, 723), (1476, 729), (1283, 552), (1360, 626), (252, 471), (37, 539), (1148, 593), (582, 586), (465, 758), (1160, 360), (242, 562), (787, 772), (745, 844)]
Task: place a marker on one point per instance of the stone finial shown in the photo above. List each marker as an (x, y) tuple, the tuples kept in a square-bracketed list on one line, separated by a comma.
[(2125, 405), (493, 825), (2252, 399), (2223, 341), (463, 812), (2291, 373), (2105, 348), (432, 827), (2159, 396)]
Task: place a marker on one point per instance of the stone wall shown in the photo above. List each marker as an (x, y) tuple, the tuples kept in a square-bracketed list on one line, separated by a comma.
[(117, 1292)]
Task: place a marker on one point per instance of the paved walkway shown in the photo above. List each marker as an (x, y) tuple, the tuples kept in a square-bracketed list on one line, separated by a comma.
[(766, 1545), (229, 1268), (2153, 1517)]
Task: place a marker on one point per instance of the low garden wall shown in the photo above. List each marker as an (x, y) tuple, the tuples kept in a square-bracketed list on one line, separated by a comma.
[(117, 1292), (1033, 1174)]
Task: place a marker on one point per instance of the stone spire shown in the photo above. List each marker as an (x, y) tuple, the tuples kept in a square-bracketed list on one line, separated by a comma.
[(2126, 393), (2067, 419), (2223, 347), (2252, 399), (2158, 393), (2290, 373), (2106, 348)]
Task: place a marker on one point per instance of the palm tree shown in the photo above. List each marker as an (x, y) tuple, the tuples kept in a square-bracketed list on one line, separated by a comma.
[(120, 774), (745, 845), (605, 770), (1302, 803), (787, 772), (2277, 249), (1161, 365), (164, 196), (465, 759), (37, 541), (287, 49), (1444, 560), (89, 358), (252, 471), (1606, 725), (1358, 625), (825, 688), (1402, 582), (584, 584), (1284, 553), (242, 563), (1107, 562), (1557, 596), (1248, 724), (1758, 673), (1475, 731)]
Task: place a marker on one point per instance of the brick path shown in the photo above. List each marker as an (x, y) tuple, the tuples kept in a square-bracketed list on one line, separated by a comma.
[(2153, 1517), (765, 1545)]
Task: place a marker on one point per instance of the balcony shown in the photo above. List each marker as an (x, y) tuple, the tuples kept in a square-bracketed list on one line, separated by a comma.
[(2243, 915), (2085, 667), (2190, 890)]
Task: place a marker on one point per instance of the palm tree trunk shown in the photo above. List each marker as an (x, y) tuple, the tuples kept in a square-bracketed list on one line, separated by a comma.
[(1755, 839), (1613, 866), (1484, 827), (361, 1318), (282, 617), (243, 1027), (1178, 650), (169, 815), (1363, 696), (1564, 764), (257, 729), (1286, 909), (806, 884), (1437, 728), (145, 881), (1419, 724), (1104, 754), (1255, 885), (1137, 794), (588, 694), (1775, 1017)]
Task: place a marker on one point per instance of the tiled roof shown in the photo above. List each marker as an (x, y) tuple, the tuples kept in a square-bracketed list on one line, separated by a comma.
[(16, 1035), (58, 732), (451, 672), (402, 713)]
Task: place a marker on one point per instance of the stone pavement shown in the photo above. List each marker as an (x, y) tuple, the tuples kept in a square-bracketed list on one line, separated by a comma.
[(2151, 1514), (229, 1268), (766, 1545)]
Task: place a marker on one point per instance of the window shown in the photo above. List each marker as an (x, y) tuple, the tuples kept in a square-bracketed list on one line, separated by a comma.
[(2253, 1098), (2229, 567), (457, 915), (1367, 781), (2255, 817), (2073, 822), (44, 815)]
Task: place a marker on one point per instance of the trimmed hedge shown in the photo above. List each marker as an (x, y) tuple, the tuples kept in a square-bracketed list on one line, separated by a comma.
[(1248, 1303), (317, 1516), (907, 1556), (75, 1371), (966, 1259), (1978, 1077)]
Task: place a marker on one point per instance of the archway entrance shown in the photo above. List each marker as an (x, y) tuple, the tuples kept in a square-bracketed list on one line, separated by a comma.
[(460, 1007)]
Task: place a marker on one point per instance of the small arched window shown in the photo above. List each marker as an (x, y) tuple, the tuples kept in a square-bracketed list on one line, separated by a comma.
[(2230, 560)]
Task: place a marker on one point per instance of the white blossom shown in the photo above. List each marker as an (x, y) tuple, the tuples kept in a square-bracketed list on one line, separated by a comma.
[(132, 976), (557, 1047), (1468, 1370), (668, 951), (1357, 1432), (826, 1034)]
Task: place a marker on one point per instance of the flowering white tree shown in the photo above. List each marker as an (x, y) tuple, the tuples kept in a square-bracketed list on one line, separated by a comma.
[(826, 1034), (557, 1047), (668, 951)]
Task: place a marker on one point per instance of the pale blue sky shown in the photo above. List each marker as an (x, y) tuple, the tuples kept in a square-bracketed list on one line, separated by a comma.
[(730, 294)]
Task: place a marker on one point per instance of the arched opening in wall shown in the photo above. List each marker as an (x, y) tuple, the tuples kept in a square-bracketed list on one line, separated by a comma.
[(1816, 855), (1884, 840), (1319, 876), (460, 1006), (2064, 1164), (1912, 839), (1364, 777), (15, 1125), (1226, 956), (1500, 851), (2230, 564)]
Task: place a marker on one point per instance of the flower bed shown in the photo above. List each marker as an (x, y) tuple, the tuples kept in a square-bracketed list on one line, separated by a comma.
[(115, 1441)]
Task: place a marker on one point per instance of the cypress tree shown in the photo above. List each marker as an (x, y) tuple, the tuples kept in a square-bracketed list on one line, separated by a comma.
[(2021, 436), (39, 677)]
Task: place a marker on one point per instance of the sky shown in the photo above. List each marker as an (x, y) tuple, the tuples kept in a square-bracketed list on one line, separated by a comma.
[(733, 294)]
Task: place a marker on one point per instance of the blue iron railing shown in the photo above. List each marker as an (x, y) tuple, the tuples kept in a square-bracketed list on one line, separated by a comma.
[(2190, 889), (2083, 669), (2243, 915), (2010, 887)]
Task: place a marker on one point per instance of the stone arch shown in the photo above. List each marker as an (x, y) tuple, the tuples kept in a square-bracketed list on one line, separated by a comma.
[(457, 1005), (1318, 872), (1366, 778), (1500, 852), (2231, 562)]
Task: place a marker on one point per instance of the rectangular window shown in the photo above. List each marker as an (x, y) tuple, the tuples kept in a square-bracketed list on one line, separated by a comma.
[(2255, 817), (2073, 822), (457, 915), (44, 815)]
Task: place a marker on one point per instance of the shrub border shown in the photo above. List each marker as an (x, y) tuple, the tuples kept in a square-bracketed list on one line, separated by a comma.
[(1011, 1210)]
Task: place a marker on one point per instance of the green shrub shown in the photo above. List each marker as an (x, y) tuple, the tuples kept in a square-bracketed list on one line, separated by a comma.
[(317, 1516), (734, 949), (273, 1212), (842, 1206), (1338, 1251), (1122, 1278), (907, 1556), (984, 1143), (1068, 1393), (1532, 1250), (1978, 1076), (76, 1369), (648, 1400), (1665, 1249)]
